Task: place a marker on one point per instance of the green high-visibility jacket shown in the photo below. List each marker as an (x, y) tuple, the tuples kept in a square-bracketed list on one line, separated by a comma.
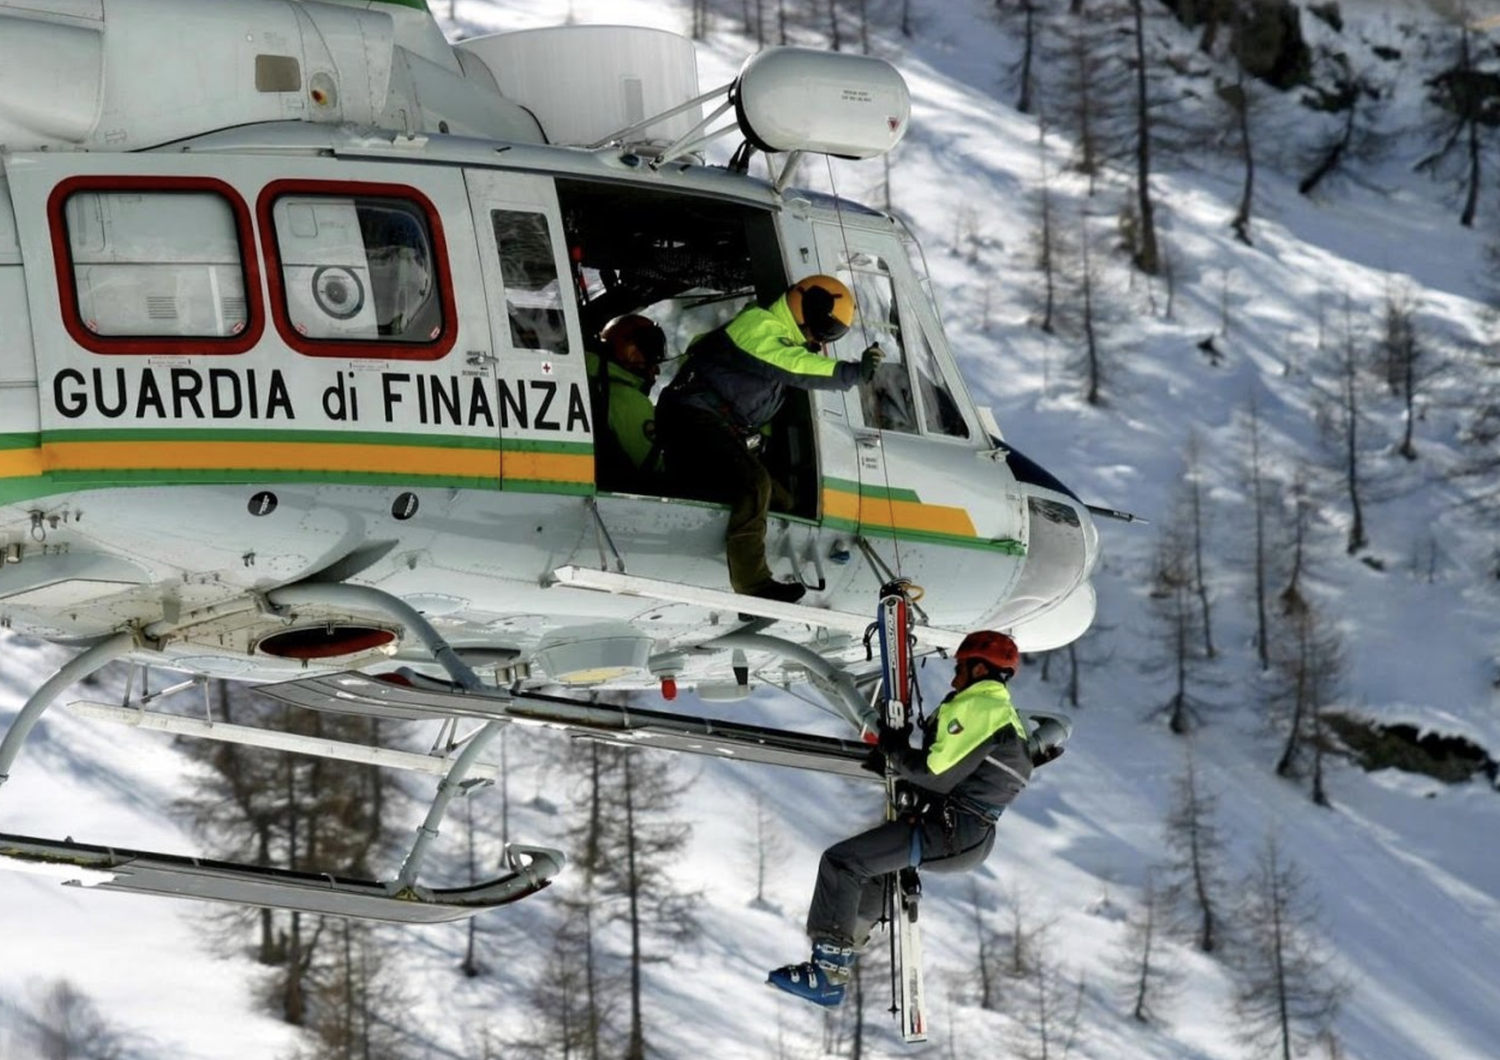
[(741, 371), (632, 417), (974, 747)]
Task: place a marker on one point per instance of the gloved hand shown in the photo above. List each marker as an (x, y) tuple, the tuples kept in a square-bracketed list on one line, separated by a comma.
[(874, 762), (1042, 755), (894, 741), (870, 360)]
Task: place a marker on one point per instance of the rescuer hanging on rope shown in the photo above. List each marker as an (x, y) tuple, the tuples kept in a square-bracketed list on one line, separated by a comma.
[(974, 759)]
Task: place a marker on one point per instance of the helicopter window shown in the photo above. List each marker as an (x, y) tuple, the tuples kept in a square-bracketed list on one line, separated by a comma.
[(533, 292), (910, 377), (357, 275), (158, 260), (940, 413), (887, 399)]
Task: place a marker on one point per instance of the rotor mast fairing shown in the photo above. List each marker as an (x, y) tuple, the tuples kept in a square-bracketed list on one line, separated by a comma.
[(72, 77)]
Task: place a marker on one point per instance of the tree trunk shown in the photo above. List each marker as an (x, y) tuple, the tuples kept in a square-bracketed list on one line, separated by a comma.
[(1471, 199), (1146, 253), (1357, 539), (1091, 339), (636, 1050), (1241, 105), (1028, 49), (1261, 573)]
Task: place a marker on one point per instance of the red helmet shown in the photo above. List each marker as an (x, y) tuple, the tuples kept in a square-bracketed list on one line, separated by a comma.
[(994, 648), (642, 333)]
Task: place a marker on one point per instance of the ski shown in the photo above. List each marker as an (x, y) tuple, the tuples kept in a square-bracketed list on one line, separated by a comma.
[(913, 1001), (894, 623), (898, 690)]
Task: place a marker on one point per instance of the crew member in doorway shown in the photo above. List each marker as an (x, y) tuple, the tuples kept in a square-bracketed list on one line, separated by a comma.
[(975, 758), (620, 383), (710, 419)]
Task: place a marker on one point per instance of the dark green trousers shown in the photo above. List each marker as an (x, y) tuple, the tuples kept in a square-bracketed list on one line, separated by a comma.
[(707, 459)]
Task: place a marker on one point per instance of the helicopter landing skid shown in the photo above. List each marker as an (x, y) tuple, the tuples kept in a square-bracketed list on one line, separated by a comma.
[(399, 900), (357, 693), (175, 876)]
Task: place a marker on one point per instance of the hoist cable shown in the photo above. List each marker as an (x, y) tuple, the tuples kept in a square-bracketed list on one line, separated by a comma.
[(885, 471)]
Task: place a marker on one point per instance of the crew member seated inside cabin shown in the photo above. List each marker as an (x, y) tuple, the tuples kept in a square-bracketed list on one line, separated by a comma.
[(620, 382)]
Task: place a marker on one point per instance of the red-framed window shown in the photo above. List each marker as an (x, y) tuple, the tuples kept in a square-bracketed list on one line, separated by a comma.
[(155, 265), (357, 269)]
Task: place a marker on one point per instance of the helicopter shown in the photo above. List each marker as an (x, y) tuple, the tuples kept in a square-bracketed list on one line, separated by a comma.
[(293, 393)]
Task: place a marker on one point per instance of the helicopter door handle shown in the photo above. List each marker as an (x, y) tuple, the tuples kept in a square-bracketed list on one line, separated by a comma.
[(867, 437)]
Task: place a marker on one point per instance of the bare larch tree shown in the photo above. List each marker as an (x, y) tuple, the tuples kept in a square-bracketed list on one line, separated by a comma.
[(1285, 996), (1194, 866)]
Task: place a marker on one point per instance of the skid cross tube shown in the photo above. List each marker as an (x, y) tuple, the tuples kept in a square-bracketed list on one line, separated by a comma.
[(832, 680)]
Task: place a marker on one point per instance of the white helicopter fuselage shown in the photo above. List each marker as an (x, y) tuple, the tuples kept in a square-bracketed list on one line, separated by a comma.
[(298, 311)]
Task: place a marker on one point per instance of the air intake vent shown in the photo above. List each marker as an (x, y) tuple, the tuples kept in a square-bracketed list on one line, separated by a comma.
[(161, 307)]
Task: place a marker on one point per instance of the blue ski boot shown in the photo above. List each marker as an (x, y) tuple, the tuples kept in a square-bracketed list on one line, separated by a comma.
[(822, 980)]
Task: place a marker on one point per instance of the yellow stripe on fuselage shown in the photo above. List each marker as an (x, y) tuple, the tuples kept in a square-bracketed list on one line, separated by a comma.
[(546, 467), (206, 455), (897, 514)]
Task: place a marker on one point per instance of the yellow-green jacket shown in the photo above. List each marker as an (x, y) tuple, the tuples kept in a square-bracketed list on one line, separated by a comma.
[(741, 371), (973, 749), (632, 417)]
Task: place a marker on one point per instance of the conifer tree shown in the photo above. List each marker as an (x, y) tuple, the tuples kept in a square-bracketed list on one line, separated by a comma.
[(1406, 361), (1179, 602), (626, 842), (63, 1023), (1053, 1003), (1286, 996), (290, 811), (1468, 109), (1144, 961), (1260, 490), (569, 1016), (1347, 97), (765, 848), (1194, 873), (1308, 667), (1049, 250), (1147, 257), (986, 978), (1341, 415), (358, 1007)]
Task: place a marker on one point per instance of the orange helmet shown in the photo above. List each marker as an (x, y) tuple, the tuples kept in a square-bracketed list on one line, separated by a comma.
[(988, 646), (822, 306)]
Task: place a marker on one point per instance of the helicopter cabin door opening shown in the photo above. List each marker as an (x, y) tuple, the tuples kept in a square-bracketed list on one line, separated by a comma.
[(544, 419), (689, 264)]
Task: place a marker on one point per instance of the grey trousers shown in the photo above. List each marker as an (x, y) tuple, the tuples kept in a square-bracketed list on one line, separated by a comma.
[(849, 896)]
